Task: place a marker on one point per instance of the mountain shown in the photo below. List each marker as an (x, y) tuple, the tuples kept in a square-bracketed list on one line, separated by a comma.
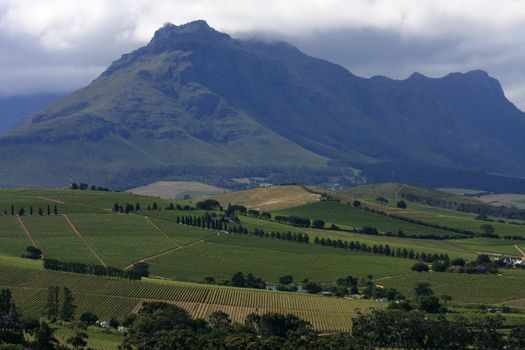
[(14, 108), (195, 98)]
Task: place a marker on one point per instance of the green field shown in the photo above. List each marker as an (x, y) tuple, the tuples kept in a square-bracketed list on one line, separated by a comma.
[(224, 255), (347, 216), (506, 288), (56, 239), (182, 256), (111, 297), (120, 239)]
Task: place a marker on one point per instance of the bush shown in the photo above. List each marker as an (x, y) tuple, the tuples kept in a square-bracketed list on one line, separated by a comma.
[(420, 267)]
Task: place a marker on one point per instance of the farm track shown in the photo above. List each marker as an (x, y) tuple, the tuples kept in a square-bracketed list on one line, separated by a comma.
[(520, 250), (86, 243), (167, 251), (52, 200), (26, 231), (161, 231)]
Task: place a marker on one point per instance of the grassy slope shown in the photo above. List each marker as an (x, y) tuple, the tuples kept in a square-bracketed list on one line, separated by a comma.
[(177, 189), (224, 255), (347, 216), (269, 198)]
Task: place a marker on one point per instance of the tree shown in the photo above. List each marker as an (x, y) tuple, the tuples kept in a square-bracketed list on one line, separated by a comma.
[(381, 200), (44, 339), (286, 280), (401, 204), (52, 310), (79, 340), (12, 209), (420, 267), (33, 253), (219, 319), (74, 186), (430, 304), (21, 212), (446, 298), (356, 204), (313, 287), (93, 188), (48, 209), (208, 204), (40, 211), (31, 210), (55, 210), (67, 313), (5, 302), (88, 318), (488, 229), (423, 289), (318, 223)]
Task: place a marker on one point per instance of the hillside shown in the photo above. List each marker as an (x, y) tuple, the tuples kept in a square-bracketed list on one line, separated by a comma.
[(269, 198), (14, 108), (196, 101), (176, 189)]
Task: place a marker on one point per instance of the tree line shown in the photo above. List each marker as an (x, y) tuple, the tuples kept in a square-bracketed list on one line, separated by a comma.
[(380, 249), (21, 211), (503, 211), (84, 187), (138, 270), (127, 208)]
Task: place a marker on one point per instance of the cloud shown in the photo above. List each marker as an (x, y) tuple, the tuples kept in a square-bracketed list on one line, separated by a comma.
[(60, 45)]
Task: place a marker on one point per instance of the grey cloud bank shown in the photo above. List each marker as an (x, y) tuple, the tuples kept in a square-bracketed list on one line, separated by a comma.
[(59, 45)]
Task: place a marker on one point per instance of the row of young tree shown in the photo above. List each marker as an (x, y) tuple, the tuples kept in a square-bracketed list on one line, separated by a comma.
[(138, 270), (503, 211), (127, 208), (464, 233), (22, 211), (84, 187), (380, 249)]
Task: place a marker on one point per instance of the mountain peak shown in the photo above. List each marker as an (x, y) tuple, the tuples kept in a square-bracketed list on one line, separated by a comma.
[(169, 35)]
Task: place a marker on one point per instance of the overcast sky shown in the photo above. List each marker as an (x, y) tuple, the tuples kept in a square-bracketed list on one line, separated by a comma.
[(61, 45)]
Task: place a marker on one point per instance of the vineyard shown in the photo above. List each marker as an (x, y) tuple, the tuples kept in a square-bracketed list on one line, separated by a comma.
[(109, 297)]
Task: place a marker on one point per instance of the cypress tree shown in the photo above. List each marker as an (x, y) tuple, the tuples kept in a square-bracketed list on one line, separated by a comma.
[(55, 210), (40, 211), (48, 209), (67, 313), (31, 210), (52, 303)]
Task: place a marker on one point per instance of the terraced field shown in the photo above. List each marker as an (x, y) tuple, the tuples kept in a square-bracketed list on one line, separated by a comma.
[(108, 297)]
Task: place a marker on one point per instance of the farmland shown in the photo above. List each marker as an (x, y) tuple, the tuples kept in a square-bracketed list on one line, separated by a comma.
[(350, 217), (29, 285), (86, 229), (269, 198)]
